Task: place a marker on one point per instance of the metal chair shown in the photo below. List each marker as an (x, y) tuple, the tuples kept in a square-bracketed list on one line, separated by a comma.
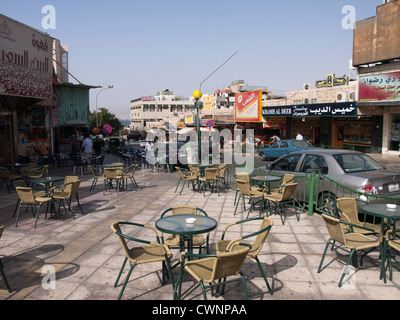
[(111, 174), (184, 178), (259, 239), (246, 192), (282, 199), (350, 242), (148, 253), (215, 267), (68, 192), (210, 177), (96, 176), (28, 200)]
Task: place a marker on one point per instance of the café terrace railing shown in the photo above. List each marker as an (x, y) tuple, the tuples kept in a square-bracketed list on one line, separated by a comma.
[(316, 193)]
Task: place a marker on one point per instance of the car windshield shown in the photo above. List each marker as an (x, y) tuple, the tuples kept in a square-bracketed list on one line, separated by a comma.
[(357, 163), (301, 144)]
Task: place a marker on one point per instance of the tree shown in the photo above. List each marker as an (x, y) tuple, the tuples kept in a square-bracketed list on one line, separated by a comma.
[(105, 117)]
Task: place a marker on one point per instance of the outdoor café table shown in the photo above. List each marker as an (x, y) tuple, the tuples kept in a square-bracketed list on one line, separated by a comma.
[(17, 167), (47, 182), (381, 210), (177, 225), (265, 181)]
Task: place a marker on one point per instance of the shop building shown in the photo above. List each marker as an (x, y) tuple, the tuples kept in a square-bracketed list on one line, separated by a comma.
[(376, 54)]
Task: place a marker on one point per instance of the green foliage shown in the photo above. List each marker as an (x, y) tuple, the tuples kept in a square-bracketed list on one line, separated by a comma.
[(105, 117)]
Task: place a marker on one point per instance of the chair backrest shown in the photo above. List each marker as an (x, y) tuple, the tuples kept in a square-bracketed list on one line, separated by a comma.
[(211, 173), (243, 176), (348, 210), (26, 195), (115, 227), (335, 229), (20, 183), (261, 237), (182, 210), (194, 170), (75, 187), (179, 171), (229, 263), (221, 170), (243, 187), (112, 173), (69, 179), (288, 191)]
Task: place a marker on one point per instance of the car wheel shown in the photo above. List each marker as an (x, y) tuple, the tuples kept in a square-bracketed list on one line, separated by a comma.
[(263, 157), (327, 202)]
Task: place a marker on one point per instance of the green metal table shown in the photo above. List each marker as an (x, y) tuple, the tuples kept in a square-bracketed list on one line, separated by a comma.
[(265, 181), (177, 225), (47, 182)]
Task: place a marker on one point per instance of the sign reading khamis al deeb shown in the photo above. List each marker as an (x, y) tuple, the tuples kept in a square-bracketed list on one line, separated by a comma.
[(248, 107), (25, 60)]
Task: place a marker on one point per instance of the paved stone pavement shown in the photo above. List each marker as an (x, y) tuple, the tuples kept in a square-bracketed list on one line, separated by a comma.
[(87, 256)]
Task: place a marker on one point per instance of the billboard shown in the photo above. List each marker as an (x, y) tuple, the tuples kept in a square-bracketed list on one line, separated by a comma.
[(382, 87), (26, 64), (209, 102), (378, 38), (248, 106)]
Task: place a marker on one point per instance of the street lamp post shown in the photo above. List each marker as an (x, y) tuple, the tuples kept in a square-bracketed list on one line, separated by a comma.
[(197, 95), (97, 98)]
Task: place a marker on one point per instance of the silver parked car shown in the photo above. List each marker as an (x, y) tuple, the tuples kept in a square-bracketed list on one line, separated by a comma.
[(352, 169)]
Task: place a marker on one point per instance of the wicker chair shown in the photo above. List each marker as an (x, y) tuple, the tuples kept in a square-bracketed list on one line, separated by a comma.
[(287, 178), (96, 176), (210, 177), (2, 267), (28, 200), (8, 178), (148, 253), (22, 184), (130, 175), (111, 174), (215, 267), (392, 241), (198, 241), (347, 209), (259, 239), (349, 242), (244, 176), (221, 174), (67, 193), (184, 178), (246, 192), (282, 199)]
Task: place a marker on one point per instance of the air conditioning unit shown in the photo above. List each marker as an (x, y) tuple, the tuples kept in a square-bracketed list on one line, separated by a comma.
[(342, 97), (307, 86)]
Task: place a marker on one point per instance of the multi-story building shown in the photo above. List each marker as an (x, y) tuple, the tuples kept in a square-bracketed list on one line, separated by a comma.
[(324, 114), (160, 110)]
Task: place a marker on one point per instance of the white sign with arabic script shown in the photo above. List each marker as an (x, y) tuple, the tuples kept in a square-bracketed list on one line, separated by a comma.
[(25, 61)]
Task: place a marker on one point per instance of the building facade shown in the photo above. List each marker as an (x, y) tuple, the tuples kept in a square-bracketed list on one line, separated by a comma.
[(156, 112)]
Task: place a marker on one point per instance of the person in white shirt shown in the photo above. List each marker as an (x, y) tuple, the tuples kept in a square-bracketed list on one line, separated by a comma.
[(299, 136), (87, 147)]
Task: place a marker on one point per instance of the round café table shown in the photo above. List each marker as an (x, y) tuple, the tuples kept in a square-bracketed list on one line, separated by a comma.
[(265, 181), (177, 225), (381, 210)]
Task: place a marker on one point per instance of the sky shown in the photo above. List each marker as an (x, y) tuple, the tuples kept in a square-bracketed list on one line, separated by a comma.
[(143, 47)]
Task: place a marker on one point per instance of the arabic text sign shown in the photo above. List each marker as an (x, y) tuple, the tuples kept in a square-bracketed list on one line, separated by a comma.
[(347, 109), (248, 106), (383, 87), (25, 61)]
